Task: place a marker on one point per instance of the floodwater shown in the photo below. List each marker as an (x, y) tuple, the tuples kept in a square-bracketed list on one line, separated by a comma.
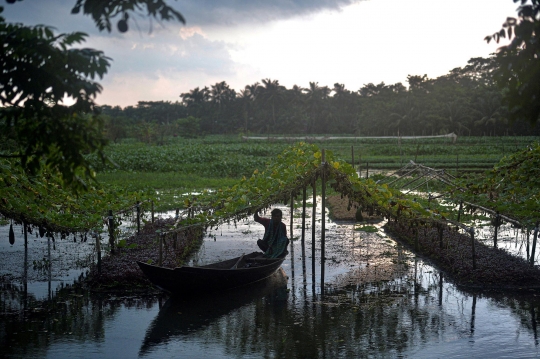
[(378, 300)]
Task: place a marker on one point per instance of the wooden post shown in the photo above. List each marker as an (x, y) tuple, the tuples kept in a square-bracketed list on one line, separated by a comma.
[(367, 170), (98, 251), (303, 240), (152, 202), (533, 249), (497, 221), (138, 217), (177, 214), (160, 261), (528, 245), (25, 272), (292, 217), (111, 231), (471, 231), (323, 206), (313, 225), (459, 210)]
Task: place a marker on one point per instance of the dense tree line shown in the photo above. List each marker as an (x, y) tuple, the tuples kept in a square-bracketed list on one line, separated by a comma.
[(466, 101)]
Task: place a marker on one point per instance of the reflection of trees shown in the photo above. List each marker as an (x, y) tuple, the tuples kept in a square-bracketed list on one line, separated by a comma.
[(388, 317), (29, 325)]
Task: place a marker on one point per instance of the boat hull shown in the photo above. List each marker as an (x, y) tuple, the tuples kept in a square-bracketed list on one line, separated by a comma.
[(187, 281)]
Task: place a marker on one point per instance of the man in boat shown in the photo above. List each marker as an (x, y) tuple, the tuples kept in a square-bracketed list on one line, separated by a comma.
[(274, 243)]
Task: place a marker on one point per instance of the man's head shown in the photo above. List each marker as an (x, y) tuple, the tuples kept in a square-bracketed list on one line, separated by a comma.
[(277, 215)]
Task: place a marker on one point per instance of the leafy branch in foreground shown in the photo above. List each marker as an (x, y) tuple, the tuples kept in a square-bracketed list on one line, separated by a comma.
[(40, 69)]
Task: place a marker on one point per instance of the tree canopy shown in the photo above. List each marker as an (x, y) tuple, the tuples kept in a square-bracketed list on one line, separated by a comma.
[(518, 70), (40, 70)]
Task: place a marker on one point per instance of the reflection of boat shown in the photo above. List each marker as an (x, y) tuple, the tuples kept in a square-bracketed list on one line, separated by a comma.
[(180, 317), (228, 274)]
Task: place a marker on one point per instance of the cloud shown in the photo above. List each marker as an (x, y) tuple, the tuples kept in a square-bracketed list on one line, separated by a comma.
[(236, 12)]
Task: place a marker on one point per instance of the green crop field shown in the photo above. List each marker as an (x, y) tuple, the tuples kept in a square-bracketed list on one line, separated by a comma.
[(187, 165)]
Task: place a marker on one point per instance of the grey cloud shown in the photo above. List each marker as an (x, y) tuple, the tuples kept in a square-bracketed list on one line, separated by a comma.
[(169, 53), (237, 12), (197, 12)]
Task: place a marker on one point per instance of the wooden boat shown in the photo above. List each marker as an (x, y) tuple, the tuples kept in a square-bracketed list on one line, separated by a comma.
[(232, 273)]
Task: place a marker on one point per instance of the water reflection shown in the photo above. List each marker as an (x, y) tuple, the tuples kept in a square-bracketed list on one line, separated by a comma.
[(380, 301), (180, 317)]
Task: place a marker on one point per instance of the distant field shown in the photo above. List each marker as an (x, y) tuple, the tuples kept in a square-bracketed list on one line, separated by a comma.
[(183, 165)]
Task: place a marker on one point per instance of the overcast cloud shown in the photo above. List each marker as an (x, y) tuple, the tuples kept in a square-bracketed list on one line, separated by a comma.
[(295, 42)]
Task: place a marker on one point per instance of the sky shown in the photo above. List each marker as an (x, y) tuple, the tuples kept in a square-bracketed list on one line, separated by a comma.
[(295, 42)]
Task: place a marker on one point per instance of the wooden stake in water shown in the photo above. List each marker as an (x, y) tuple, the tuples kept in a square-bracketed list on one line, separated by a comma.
[(303, 240), (497, 223), (160, 261), (471, 231), (111, 231), (98, 251), (533, 249), (292, 217), (138, 217), (323, 206), (313, 225)]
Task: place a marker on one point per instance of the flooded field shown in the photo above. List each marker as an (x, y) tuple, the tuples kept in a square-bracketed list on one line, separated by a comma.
[(377, 300)]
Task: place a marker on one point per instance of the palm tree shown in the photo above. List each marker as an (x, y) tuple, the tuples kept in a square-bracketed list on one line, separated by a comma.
[(315, 103), (271, 93)]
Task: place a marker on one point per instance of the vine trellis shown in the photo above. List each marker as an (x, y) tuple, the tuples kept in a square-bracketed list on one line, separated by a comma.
[(305, 165)]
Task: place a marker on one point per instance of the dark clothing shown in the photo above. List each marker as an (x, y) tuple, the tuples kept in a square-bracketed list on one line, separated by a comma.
[(266, 222), (275, 241)]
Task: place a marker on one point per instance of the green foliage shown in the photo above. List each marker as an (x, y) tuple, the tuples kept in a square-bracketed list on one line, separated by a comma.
[(189, 127), (518, 73), (284, 178), (42, 201), (102, 11), (512, 187), (40, 68)]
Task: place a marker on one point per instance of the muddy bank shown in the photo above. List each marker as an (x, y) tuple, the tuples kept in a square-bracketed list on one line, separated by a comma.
[(120, 272)]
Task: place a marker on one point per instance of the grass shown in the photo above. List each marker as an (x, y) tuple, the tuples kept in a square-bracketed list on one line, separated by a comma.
[(168, 185)]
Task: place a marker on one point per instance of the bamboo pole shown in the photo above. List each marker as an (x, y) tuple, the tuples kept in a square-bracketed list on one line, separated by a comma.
[(138, 217), (313, 225), (367, 170), (303, 237), (98, 251), (497, 222), (292, 217), (111, 231), (152, 208), (323, 206), (533, 249), (160, 261), (303, 240), (459, 210)]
